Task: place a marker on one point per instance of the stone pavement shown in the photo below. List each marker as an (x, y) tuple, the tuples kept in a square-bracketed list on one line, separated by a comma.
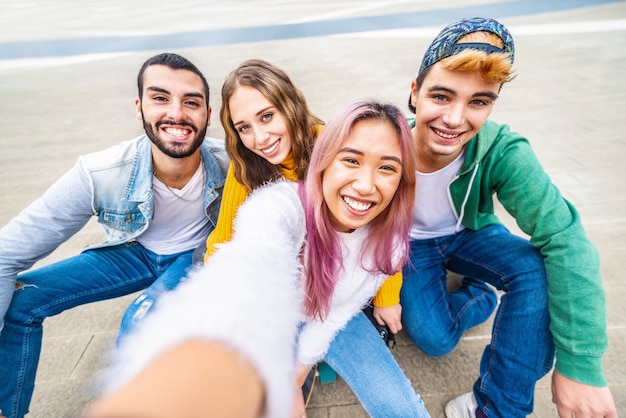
[(67, 84)]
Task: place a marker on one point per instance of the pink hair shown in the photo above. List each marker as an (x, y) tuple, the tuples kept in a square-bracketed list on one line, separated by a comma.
[(389, 231)]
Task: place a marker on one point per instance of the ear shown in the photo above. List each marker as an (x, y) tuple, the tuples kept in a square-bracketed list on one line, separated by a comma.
[(208, 116), (414, 93), (138, 108)]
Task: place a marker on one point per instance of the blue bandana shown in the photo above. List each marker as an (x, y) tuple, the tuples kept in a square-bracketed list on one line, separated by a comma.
[(444, 45)]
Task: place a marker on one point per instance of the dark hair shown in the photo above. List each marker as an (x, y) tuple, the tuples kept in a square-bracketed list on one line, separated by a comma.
[(175, 62)]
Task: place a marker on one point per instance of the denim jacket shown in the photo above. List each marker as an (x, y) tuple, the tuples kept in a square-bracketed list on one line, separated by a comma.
[(115, 185)]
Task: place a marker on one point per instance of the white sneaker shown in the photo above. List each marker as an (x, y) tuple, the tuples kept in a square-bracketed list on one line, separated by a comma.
[(463, 406)]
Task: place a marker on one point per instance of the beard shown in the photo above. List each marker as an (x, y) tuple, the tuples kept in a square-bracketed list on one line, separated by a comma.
[(175, 150)]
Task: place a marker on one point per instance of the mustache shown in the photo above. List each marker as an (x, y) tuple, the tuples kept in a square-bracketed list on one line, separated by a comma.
[(172, 123)]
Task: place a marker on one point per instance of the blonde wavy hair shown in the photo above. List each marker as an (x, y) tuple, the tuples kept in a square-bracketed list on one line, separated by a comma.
[(252, 170)]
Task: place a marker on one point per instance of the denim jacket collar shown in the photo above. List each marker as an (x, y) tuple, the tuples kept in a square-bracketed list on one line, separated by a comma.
[(139, 186)]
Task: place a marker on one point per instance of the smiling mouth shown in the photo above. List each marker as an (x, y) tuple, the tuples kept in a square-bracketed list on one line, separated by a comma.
[(357, 205), (176, 131), (270, 149), (446, 135)]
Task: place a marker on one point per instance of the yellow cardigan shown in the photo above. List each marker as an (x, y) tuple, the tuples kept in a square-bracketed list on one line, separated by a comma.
[(235, 194)]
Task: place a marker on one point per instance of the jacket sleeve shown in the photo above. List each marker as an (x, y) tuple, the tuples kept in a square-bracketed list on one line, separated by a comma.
[(576, 296), (233, 197), (316, 335), (349, 298), (40, 228)]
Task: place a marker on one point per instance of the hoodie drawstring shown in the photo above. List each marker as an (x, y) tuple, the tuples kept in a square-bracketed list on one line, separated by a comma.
[(465, 199)]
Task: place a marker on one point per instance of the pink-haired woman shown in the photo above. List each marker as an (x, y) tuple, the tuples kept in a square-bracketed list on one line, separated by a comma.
[(303, 261)]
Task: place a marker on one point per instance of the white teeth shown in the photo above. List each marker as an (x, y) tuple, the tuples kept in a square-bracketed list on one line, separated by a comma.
[(270, 149), (445, 135), (356, 205), (176, 132)]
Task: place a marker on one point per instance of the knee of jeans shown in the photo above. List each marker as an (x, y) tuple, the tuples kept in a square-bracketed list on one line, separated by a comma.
[(433, 345), (532, 286), (439, 350), (530, 267), (20, 311)]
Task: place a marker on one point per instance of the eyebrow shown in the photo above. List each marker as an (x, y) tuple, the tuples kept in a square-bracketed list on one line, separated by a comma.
[(164, 91), (384, 157), (489, 94), (260, 112)]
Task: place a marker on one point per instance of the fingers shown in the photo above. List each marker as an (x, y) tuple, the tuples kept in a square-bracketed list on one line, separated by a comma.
[(394, 327)]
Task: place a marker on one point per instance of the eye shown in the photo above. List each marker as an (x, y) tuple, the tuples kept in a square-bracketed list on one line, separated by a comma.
[(440, 97), (159, 99), (242, 129), (192, 103), (266, 117), (480, 102), (389, 168), (350, 160)]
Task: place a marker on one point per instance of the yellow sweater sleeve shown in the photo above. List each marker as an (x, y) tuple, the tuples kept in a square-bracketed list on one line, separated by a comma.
[(234, 195), (389, 292)]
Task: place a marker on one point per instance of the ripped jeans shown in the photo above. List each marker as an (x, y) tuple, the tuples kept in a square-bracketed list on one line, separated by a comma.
[(91, 276)]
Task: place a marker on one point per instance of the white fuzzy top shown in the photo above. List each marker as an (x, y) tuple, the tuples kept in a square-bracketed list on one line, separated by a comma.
[(248, 295), (354, 289)]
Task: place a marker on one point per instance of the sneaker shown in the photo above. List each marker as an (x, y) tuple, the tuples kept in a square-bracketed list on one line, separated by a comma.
[(463, 406)]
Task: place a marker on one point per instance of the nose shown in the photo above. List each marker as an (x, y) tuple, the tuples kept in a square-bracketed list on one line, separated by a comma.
[(260, 134), (364, 182), (175, 112), (454, 116)]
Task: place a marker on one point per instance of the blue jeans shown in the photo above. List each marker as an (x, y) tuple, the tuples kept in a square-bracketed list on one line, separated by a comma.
[(359, 355), (91, 276), (146, 301), (521, 349)]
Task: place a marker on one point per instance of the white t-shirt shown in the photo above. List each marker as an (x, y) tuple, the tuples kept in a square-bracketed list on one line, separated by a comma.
[(179, 222), (433, 214)]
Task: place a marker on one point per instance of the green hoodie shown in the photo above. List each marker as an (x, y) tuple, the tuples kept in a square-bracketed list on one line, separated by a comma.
[(502, 162)]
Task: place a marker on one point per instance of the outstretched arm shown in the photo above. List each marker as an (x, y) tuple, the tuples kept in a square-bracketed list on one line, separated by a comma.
[(203, 379)]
